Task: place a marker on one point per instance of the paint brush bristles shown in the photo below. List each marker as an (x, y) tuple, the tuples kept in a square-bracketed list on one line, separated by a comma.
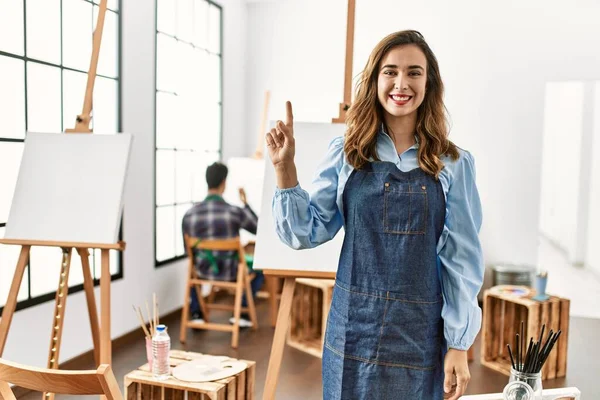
[(512, 360), (155, 301), (138, 311)]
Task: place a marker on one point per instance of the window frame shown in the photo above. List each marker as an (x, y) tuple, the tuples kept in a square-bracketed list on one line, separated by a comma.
[(40, 299), (162, 263)]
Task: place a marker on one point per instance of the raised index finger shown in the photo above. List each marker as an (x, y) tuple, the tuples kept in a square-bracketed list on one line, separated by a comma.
[(289, 116)]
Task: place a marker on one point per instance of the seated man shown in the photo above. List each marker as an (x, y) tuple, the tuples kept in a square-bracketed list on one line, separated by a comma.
[(214, 218)]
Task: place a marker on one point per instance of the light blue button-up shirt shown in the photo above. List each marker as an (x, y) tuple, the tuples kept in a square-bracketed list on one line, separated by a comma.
[(306, 220)]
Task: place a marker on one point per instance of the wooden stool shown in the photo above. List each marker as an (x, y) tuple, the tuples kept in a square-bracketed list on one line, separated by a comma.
[(240, 285), (310, 308), (502, 316), (142, 384)]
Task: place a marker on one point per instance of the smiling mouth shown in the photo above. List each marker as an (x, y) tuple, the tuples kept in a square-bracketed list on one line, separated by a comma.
[(400, 99)]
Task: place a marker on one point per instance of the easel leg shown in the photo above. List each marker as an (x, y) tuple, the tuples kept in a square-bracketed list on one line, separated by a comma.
[(283, 323), (60, 303), (11, 302), (272, 284), (88, 285), (105, 343)]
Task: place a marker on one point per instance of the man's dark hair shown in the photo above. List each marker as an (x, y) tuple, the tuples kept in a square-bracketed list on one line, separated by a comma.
[(215, 175)]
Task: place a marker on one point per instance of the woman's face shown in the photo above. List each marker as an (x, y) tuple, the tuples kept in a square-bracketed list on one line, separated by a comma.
[(401, 81)]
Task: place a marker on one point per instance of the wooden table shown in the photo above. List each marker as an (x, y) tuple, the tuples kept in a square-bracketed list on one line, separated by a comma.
[(140, 384)]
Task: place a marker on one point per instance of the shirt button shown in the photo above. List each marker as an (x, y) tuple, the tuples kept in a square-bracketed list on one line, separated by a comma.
[(423, 187)]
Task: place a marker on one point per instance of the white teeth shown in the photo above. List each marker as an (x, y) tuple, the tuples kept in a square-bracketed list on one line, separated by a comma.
[(400, 98)]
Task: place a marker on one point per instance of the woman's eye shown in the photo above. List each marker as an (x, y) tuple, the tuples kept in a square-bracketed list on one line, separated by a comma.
[(415, 74), (388, 72)]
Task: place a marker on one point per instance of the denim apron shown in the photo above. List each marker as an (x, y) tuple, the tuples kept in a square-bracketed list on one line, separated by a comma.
[(384, 337)]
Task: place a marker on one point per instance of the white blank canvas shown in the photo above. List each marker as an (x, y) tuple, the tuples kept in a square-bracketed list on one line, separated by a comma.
[(312, 142), (247, 173), (70, 188)]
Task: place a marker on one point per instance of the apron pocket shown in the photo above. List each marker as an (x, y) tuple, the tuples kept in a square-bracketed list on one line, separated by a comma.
[(404, 208), (412, 334), (354, 323)]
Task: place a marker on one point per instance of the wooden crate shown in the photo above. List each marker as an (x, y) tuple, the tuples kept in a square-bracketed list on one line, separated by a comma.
[(502, 316), (141, 385), (310, 307)]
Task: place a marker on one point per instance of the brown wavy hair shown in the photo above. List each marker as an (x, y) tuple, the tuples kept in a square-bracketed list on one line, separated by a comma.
[(365, 116)]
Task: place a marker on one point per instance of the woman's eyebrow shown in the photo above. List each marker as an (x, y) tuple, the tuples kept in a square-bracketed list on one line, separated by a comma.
[(394, 66)]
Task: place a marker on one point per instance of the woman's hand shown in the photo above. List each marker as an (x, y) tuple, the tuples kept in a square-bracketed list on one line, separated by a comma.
[(456, 369), (280, 140), (282, 148)]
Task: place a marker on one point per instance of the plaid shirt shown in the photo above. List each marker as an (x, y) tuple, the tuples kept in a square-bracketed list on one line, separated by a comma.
[(214, 218)]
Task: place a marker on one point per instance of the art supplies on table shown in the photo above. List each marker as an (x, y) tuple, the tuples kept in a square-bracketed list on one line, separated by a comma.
[(511, 290), (540, 282), (208, 368), (525, 382), (570, 393)]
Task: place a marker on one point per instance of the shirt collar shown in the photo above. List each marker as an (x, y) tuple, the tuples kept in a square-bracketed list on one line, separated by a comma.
[(387, 140), (213, 197)]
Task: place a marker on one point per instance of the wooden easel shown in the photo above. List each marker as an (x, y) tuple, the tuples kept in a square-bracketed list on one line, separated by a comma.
[(289, 283), (348, 64), (100, 333)]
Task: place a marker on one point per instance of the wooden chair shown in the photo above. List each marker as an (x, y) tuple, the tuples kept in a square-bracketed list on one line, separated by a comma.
[(98, 382), (241, 284)]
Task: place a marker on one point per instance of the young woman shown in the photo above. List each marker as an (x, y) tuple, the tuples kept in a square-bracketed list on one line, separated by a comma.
[(404, 309)]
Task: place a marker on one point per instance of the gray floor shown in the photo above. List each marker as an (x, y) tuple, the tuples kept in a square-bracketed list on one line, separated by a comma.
[(300, 377)]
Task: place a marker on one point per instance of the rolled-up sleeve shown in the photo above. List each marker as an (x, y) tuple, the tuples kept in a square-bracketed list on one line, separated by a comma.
[(461, 257), (304, 220)]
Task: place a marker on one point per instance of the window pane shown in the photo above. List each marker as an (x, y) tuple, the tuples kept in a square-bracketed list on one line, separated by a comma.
[(166, 120), (108, 61), (9, 255), (180, 211), (214, 29), (185, 68), (166, 16), (185, 13), (210, 128), (213, 93), (77, 34), (105, 115), (165, 233), (201, 161), (10, 160), (45, 269), (73, 93), (199, 77), (166, 63), (165, 177), (183, 178), (12, 97), (110, 4), (11, 26), (43, 98), (43, 30), (201, 23)]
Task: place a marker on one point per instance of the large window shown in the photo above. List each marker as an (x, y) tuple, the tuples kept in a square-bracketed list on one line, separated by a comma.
[(45, 51), (188, 112)]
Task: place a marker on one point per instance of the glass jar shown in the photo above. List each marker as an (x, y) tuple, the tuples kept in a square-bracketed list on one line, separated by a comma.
[(523, 386)]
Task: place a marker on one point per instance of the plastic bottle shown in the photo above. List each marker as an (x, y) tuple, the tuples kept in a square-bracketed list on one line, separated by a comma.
[(161, 345)]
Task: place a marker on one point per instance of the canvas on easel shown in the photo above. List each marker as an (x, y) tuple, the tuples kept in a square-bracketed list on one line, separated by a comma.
[(69, 196)]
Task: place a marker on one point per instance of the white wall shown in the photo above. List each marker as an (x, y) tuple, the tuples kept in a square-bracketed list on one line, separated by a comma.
[(593, 247), (29, 336), (495, 60)]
